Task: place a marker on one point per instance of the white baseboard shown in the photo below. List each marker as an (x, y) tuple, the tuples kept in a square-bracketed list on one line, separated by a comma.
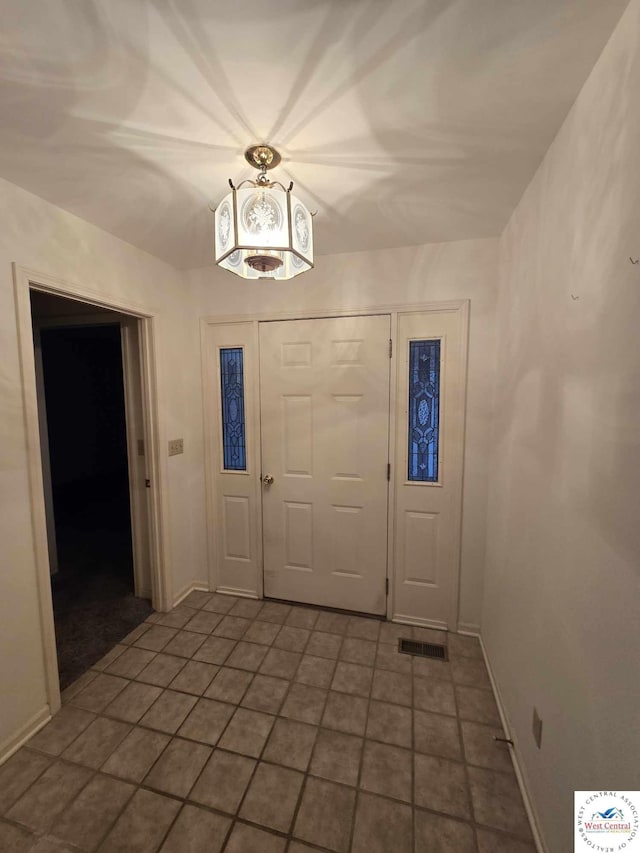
[(241, 593), (520, 772), (400, 619), (17, 739), (200, 586)]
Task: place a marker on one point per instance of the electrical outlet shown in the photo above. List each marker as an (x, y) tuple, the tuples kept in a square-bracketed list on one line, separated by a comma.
[(537, 728), (176, 446)]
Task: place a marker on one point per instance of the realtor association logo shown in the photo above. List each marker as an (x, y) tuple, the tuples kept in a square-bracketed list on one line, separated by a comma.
[(607, 821)]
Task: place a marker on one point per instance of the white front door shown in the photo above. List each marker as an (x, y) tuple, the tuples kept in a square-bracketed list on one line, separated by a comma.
[(324, 397)]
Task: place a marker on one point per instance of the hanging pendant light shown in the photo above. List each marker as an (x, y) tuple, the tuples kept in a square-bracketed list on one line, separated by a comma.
[(262, 230)]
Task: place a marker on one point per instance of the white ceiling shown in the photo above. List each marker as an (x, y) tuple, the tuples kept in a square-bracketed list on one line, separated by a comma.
[(401, 122)]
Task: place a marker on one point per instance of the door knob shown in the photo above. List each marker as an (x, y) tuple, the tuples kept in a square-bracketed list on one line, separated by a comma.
[(267, 479)]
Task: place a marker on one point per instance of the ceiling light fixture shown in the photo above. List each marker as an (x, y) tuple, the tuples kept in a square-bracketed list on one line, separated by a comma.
[(262, 230)]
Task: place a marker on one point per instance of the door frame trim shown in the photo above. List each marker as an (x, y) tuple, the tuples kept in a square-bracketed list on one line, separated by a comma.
[(26, 279), (210, 413)]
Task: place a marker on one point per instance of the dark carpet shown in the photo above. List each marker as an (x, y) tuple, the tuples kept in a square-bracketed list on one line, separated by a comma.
[(93, 593)]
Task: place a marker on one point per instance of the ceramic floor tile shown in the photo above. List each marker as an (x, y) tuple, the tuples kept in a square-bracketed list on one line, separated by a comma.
[(229, 685), (169, 711), (280, 663), (109, 658), (156, 638), (387, 770), (481, 748), (88, 818), (323, 645), (429, 635), (215, 650), (246, 608), (247, 656), (17, 773), (206, 721), (97, 742), (194, 677), (99, 692), (333, 623), (470, 672), (233, 627), (197, 831), (198, 598), (352, 678), (176, 618), (51, 845), (477, 705), (247, 732), (143, 824), (436, 734), (292, 639), (391, 632), (79, 684), (438, 834), (15, 839), (134, 701), (316, 672), (302, 617), (432, 695), (389, 658), (272, 611), (346, 713), (496, 842), (290, 743), (48, 797), (392, 687), (325, 815), (162, 670), (203, 622), (356, 650), (130, 662), (441, 785), (263, 633), (382, 826), (249, 839), (430, 668), (364, 629), (137, 753), (459, 644), (497, 802), (272, 797), (134, 635), (185, 644), (266, 694), (304, 703), (336, 756), (390, 724), (63, 728), (177, 769), (223, 781), (219, 603)]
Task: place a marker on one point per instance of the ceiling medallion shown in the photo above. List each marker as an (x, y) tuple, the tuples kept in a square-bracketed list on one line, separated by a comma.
[(261, 229)]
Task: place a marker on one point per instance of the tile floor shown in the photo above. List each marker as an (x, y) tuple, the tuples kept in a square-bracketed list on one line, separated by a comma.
[(252, 727)]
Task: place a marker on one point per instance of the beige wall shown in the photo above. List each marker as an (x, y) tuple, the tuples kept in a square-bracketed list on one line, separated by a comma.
[(47, 239), (437, 272), (561, 618)]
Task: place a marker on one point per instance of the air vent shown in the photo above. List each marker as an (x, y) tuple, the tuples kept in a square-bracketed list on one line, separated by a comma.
[(423, 650)]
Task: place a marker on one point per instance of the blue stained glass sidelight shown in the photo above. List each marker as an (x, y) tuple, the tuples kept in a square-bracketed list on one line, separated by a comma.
[(233, 425), (424, 410)]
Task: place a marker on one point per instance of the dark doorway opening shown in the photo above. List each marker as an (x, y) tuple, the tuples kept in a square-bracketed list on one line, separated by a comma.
[(93, 587)]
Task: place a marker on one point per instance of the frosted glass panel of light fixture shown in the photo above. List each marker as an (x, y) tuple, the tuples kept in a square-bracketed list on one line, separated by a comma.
[(262, 217), (223, 224), (301, 229)]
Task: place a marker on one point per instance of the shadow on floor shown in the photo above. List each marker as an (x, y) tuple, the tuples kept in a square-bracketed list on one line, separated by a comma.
[(93, 593)]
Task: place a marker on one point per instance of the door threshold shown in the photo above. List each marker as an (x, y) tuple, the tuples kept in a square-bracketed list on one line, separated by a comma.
[(326, 609)]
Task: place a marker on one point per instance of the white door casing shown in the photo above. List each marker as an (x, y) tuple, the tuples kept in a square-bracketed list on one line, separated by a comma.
[(324, 392), (424, 519), (427, 515)]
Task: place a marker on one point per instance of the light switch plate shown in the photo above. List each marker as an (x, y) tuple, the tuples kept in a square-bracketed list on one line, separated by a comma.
[(176, 446)]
